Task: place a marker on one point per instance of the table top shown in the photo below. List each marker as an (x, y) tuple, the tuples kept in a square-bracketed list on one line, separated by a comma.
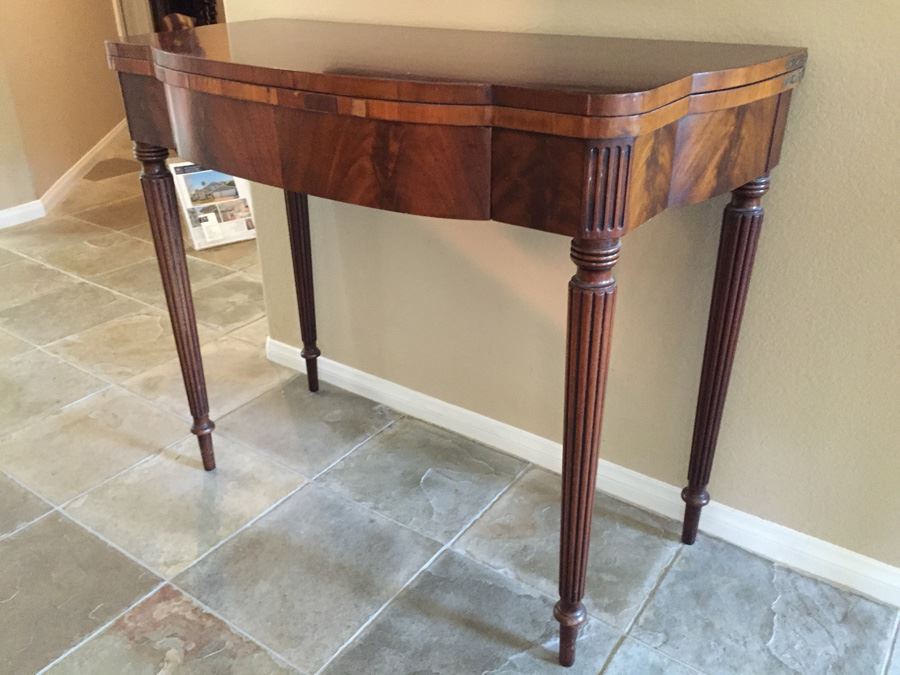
[(593, 76)]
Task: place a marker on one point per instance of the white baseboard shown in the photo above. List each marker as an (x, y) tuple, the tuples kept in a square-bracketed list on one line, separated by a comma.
[(21, 213), (778, 543), (57, 192)]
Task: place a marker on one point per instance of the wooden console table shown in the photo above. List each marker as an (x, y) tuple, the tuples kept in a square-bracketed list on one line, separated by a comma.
[(585, 137)]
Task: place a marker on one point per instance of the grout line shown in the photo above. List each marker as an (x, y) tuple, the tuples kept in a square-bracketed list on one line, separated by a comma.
[(99, 630), (355, 448), (111, 544), (268, 509), (659, 580), (626, 634), (274, 505), (234, 627), (23, 526), (428, 563), (893, 650)]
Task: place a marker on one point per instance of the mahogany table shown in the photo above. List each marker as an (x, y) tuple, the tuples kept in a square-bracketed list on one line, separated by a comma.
[(582, 136)]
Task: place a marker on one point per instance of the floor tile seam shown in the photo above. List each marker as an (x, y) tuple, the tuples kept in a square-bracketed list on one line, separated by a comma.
[(315, 478), (679, 549), (97, 631), (80, 523), (235, 627), (250, 523), (670, 657), (375, 512), (105, 233), (111, 202), (53, 507), (152, 455), (44, 414), (893, 650), (281, 463), (443, 548), (231, 331), (85, 280)]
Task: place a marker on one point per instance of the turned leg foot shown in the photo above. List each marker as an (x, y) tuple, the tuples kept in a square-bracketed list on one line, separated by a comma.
[(592, 293), (741, 225), (165, 224), (301, 250)]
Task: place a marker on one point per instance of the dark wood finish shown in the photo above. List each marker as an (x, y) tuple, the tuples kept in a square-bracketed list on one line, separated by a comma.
[(201, 12), (579, 75), (162, 207), (741, 225), (584, 137), (592, 300), (297, 205)]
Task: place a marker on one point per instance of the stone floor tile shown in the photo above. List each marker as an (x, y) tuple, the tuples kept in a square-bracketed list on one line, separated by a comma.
[(18, 506), (230, 303), (88, 193), (461, 617), (123, 347), (306, 576), (142, 280), (168, 633), (894, 664), (45, 234), (635, 658), (256, 333), (236, 372), (141, 232), (75, 449), (439, 481), (11, 346), (237, 256), (519, 536), (34, 384), (112, 167), (25, 280), (97, 254), (60, 313), (168, 511), (7, 257), (120, 215), (304, 430), (58, 583), (723, 610)]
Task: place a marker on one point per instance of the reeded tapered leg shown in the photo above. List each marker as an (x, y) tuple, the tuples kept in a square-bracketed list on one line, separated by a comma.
[(592, 297), (162, 207), (301, 251), (741, 225)]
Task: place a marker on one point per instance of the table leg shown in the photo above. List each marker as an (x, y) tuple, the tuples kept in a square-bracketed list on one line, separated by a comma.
[(162, 207), (741, 224), (301, 251), (592, 296)]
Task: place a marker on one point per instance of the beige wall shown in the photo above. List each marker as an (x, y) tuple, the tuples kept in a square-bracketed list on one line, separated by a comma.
[(474, 313), (64, 96), (15, 177)]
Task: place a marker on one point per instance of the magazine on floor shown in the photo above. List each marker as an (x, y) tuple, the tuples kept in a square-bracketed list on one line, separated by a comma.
[(217, 208)]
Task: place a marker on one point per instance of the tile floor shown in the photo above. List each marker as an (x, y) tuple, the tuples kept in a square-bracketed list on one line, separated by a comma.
[(336, 536)]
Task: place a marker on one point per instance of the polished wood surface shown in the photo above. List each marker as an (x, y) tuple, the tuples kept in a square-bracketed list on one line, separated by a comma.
[(741, 225), (297, 206), (165, 225), (556, 73), (592, 301), (580, 136)]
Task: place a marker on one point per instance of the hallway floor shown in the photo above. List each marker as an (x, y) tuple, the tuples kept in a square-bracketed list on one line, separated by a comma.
[(336, 535)]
